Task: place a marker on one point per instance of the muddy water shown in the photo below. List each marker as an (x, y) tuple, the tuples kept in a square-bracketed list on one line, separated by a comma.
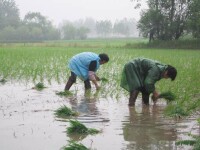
[(27, 121)]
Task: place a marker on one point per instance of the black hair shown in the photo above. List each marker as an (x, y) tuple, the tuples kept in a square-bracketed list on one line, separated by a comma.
[(104, 57), (171, 72)]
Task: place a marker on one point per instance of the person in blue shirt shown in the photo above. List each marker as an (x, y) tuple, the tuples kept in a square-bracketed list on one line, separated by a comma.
[(84, 65)]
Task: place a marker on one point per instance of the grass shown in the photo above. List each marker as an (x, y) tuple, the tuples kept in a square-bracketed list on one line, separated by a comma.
[(65, 112), (79, 128), (175, 44)]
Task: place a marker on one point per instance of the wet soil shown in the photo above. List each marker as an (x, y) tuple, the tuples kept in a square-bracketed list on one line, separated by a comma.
[(28, 121)]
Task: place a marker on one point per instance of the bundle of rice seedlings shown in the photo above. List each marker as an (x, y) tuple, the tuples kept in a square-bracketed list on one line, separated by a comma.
[(39, 86), (169, 96), (77, 127), (3, 80), (75, 146), (64, 112), (64, 93)]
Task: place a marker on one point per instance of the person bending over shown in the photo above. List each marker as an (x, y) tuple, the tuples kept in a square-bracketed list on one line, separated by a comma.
[(84, 65), (141, 74)]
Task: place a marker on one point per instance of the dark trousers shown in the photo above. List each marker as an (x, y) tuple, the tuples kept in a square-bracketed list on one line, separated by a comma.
[(134, 94), (72, 80)]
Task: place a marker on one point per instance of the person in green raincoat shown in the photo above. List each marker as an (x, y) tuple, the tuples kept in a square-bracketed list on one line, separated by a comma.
[(141, 74)]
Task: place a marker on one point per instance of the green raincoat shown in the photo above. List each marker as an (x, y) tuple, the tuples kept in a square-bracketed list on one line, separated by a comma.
[(142, 73)]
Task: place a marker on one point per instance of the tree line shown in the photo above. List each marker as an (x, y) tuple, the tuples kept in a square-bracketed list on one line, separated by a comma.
[(170, 19), (163, 20), (35, 27)]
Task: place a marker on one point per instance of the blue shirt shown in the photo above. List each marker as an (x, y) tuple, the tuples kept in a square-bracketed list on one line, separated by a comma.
[(79, 64)]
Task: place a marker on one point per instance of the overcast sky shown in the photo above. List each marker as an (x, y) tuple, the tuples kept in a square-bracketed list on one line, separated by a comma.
[(59, 10)]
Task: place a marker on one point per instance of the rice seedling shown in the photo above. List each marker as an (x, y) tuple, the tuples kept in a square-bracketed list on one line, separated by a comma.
[(169, 96), (176, 110), (77, 127), (3, 80), (48, 64), (186, 142), (64, 93), (64, 112), (39, 86), (73, 145)]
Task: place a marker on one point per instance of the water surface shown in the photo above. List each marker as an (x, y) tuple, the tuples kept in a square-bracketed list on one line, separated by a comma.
[(28, 121)]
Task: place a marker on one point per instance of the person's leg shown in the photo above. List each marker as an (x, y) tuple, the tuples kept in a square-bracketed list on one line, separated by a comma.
[(71, 80), (133, 97), (145, 97), (87, 84)]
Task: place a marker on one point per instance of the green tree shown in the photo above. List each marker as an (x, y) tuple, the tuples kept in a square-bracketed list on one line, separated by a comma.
[(68, 31), (23, 33), (9, 14), (121, 27), (194, 18), (82, 33), (164, 20), (103, 27), (8, 34), (41, 25)]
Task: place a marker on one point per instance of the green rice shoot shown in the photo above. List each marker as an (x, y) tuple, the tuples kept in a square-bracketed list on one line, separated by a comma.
[(64, 112), (64, 93), (169, 96), (175, 111), (73, 145), (79, 128), (186, 142), (47, 61)]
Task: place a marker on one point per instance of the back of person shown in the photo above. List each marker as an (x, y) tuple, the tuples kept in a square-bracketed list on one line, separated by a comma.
[(80, 63)]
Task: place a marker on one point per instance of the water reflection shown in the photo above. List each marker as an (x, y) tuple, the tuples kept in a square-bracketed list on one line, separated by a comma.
[(77, 137), (86, 107), (148, 129)]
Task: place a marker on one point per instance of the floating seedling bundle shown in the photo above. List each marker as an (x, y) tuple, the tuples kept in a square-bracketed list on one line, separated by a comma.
[(39, 86), (2, 80), (73, 145), (64, 93), (77, 127), (64, 112)]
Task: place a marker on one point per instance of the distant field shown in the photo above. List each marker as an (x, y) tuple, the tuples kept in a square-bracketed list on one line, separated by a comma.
[(89, 43), (47, 62)]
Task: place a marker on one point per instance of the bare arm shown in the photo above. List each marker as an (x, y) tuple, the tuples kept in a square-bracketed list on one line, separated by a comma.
[(93, 77)]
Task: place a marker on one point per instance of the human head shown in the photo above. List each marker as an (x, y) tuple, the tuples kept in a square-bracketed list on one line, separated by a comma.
[(103, 58), (171, 72)]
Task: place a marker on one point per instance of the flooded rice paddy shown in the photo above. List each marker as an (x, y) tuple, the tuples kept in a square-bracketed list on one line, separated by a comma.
[(28, 121)]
